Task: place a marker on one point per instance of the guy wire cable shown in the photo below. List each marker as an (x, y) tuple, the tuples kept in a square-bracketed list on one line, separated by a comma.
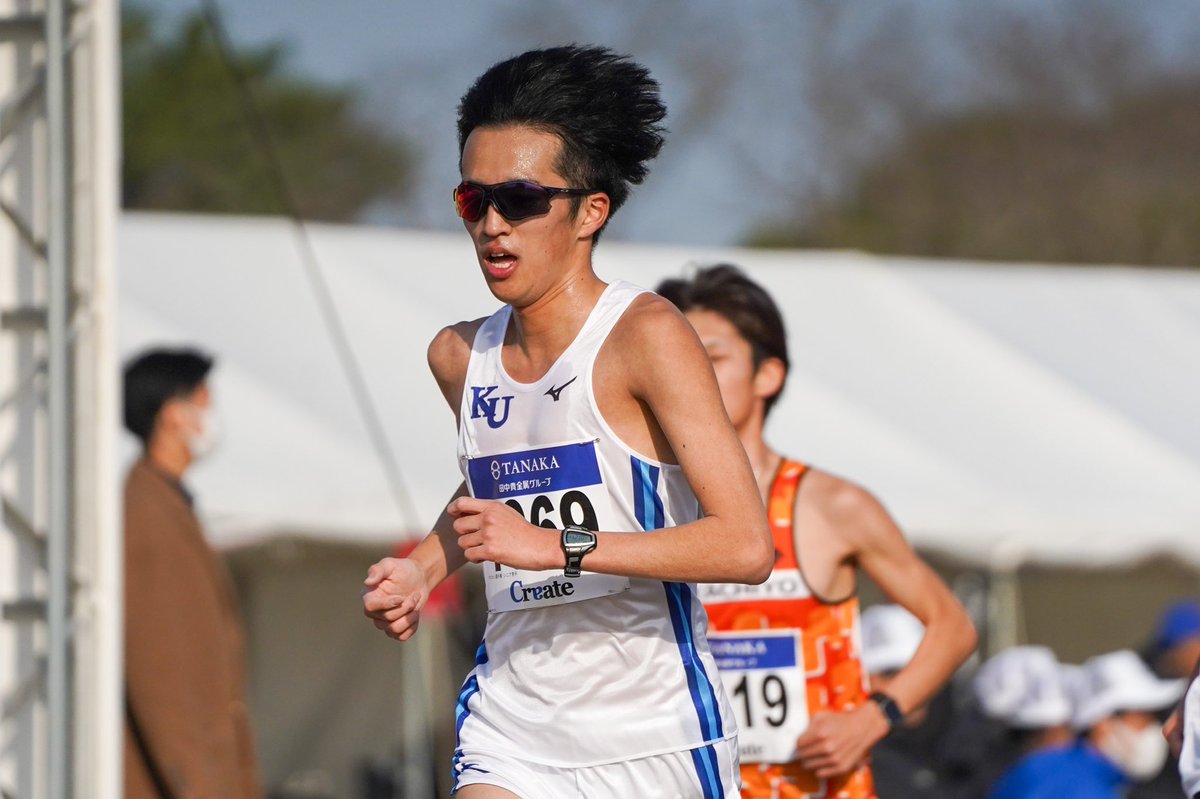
[(261, 133)]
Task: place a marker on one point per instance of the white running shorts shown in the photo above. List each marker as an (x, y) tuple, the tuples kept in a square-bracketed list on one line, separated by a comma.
[(707, 772)]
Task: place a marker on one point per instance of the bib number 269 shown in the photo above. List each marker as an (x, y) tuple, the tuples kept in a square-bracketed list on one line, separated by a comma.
[(573, 508)]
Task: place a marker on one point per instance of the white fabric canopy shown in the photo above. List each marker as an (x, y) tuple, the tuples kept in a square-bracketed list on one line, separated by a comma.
[(1002, 413)]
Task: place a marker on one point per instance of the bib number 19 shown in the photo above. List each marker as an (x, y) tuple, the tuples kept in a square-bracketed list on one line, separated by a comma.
[(763, 673), (763, 699)]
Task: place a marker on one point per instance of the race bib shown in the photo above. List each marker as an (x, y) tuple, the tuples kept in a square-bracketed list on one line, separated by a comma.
[(552, 487), (763, 673)]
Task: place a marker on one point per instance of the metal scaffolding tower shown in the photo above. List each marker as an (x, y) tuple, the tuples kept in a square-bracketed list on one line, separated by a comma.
[(60, 554)]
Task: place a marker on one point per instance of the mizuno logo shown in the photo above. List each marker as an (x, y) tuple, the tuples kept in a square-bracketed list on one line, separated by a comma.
[(554, 392)]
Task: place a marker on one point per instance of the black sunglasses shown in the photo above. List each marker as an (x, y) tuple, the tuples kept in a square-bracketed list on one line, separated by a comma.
[(514, 199)]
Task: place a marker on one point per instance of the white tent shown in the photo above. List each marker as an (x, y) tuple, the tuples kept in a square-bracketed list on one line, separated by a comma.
[(1013, 413), (1005, 414)]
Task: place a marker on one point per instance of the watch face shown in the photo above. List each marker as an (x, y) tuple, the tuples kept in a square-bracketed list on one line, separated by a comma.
[(575, 537)]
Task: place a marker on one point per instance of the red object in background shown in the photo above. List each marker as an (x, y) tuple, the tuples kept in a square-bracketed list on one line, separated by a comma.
[(447, 598)]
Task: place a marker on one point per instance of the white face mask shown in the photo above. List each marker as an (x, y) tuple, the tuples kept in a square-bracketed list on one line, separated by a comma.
[(1139, 754), (204, 439)]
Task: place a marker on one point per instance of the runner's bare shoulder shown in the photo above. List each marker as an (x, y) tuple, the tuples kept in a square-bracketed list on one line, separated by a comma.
[(649, 314), (653, 336), (448, 356), (845, 505)]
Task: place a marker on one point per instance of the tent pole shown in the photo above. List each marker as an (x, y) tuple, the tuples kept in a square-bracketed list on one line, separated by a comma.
[(415, 727), (1004, 596), (58, 645)]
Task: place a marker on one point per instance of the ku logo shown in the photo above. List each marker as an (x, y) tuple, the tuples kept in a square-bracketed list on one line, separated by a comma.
[(483, 404)]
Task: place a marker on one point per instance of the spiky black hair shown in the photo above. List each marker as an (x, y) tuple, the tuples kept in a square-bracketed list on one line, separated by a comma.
[(603, 106)]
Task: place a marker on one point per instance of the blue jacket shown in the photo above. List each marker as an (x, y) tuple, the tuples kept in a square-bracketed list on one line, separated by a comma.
[(1069, 772)]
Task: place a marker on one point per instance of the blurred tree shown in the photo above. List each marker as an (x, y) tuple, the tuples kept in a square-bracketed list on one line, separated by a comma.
[(1072, 145), (1026, 184), (189, 147)]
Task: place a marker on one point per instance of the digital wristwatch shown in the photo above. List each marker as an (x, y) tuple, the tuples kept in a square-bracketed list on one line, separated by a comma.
[(576, 542)]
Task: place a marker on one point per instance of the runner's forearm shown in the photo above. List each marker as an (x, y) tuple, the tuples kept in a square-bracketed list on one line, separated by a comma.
[(438, 554), (708, 550), (949, 639)]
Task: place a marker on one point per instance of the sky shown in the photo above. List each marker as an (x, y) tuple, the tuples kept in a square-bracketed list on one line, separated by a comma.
[(769, 108)]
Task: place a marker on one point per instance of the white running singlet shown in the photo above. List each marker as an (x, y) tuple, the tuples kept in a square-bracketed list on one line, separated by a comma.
[(596, 669)]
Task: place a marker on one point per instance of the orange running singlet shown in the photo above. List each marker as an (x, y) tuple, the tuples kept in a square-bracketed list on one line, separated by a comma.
[(784, 655)]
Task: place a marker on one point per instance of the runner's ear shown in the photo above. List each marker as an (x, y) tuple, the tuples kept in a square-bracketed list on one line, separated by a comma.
[(769, 377), (593, 213)]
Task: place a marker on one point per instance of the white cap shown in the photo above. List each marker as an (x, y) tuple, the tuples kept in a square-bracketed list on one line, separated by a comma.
[(1074, 681), (890, 636), (1024, 687), (1121, 681)]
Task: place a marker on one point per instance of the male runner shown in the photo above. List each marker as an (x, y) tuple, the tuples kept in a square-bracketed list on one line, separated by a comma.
[(581, 407), (789, 648)]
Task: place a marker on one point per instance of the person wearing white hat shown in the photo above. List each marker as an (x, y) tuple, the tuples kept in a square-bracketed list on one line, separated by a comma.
[(1120, 741), (1024, 688)]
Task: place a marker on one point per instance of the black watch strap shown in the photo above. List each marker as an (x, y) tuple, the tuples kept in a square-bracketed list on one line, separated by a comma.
[(891, 711)]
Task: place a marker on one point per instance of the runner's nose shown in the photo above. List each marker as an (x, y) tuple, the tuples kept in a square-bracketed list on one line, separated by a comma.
[(494, 222)]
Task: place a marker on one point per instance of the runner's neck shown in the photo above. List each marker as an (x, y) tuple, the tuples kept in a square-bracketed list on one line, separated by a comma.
[(765, 462), (539, 333)]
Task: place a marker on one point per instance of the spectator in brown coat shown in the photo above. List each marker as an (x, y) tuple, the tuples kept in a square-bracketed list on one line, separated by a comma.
[(187, 732)]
